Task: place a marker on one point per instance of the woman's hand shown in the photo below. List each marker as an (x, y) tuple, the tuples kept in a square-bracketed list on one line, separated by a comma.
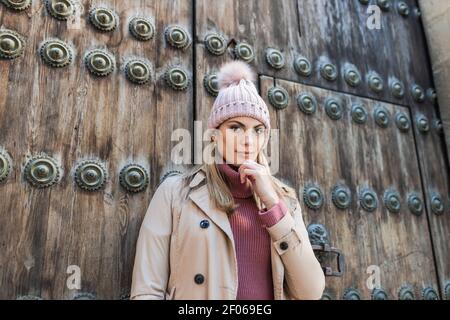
[(261, 180)]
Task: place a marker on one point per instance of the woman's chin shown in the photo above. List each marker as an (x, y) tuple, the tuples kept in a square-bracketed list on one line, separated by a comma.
[(242, 158)]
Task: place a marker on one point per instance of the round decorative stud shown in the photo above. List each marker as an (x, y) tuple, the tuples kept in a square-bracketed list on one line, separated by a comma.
[(216, 44), (103, 19), (142, 28), (307, 103), (437, 205), (100, 62), (415, 204), (326, 296), (381, 116), (18, 5), (91, 175), (29, 297), (429, 293), (417, 93), (397, 89), (352, 77), (422, 124), (359, 114), (42, 171), (137, 71), (417, 12), (375, 83), (403, 8), (406, 293), (318, 234), (60, 9), (84, 296), (351, 294), (432, 95), (125, 296), (402, 121), (328, 71), (177, 37), (302, 66), (379, 294), (56, 53), (368, 200), (134, 178), (392, 201), (447, 291), (177, 78), (5, 165), (211, 84), (341, 197), (334, 109), (278, 97), (313, 197), (384, 5), (244, 51), (437, 124), (275, 58), (12, 44)]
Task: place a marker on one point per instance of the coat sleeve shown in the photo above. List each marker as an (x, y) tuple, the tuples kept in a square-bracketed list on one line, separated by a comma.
[(151, 265), (303, 273)]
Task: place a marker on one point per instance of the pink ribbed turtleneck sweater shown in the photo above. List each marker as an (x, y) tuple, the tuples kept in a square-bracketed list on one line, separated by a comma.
[(251, 239)]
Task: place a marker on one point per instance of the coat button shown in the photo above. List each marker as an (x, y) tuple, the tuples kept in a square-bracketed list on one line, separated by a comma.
[(284, 245), (204, 224), (199, 278)]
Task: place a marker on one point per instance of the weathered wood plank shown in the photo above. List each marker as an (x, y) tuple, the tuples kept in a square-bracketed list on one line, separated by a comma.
[(72, 115), (358, 156)]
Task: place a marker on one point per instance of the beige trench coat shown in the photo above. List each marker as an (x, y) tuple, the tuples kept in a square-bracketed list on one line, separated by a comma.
[(177, 259)]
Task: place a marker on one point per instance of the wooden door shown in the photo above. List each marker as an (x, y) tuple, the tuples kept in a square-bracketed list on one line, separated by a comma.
[(84, 145), (58, 117), (323, 52)]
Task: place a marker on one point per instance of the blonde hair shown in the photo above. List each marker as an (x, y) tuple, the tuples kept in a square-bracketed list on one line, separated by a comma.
[(220, 192)]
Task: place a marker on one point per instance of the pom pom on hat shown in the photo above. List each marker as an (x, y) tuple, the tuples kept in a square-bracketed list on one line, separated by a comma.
[(233, 72)]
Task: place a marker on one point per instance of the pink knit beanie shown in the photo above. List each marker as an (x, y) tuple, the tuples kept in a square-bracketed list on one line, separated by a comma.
[(238, 96)]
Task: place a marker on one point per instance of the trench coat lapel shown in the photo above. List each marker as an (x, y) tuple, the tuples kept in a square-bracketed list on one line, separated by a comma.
[(200, 197)]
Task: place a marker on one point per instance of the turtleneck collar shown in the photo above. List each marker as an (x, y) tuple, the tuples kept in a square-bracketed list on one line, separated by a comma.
[(238, 189)]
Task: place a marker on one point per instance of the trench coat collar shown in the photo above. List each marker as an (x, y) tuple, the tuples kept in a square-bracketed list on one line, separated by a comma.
[(200, 196)]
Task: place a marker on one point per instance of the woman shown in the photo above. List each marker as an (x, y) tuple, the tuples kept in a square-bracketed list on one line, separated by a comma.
[(228, 229)]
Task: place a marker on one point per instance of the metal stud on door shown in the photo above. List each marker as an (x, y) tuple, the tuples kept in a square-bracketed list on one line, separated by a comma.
[(177, 37), (302, 66), (341, 197), (244, 51), (333, 108), (278, 97), (5, 165), (142, 28), (17, 5), (60, 9), (12, 44), (216, 43), (318, 236)]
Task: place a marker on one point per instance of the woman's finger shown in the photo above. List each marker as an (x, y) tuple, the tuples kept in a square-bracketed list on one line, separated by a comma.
[(248, 172), (242, 167)]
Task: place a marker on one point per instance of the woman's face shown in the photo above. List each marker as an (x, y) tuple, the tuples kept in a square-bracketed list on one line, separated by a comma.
[(241, 138)]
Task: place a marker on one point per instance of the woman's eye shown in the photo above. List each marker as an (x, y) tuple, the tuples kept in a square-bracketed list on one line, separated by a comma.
[(235, 128), (259, 130)]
